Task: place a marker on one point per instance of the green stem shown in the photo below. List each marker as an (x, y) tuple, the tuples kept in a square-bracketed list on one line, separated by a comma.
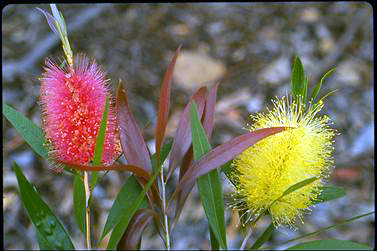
[(166, 225), (87, 211)]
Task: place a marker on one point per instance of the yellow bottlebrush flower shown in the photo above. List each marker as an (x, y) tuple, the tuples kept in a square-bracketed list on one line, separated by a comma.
[(264, 171)]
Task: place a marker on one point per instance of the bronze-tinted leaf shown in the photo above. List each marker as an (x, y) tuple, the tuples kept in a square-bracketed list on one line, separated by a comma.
[(181, 200), (209, 112), (138, 171), (164, 105), (182, 194), (133, 144), (223, 153), (132, 237), (141, 175), (208, 124), (182, 139)]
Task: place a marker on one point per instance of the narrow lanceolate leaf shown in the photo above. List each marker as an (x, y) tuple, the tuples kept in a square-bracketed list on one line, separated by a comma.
[(32, 134), (323, 229), (209, 185), (100, 142), (51, 231), (214, 243), (293, 188), (182, 139), (264, 237), (298, 79), (138, 171), (223, 153), (330, 193), (164, 104), (101, 136), (330, 245), (163, 155), (121, 227), (298, 185), (317, 88), (50, 19), (126, 196), (305, 91), (133, 144), (132, 237), (181, 195), (208, 124), (79, 203), (42, 241), (209, 112), (141, 174)]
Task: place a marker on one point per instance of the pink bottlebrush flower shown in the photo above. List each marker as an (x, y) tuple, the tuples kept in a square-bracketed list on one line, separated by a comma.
[(72, 102)]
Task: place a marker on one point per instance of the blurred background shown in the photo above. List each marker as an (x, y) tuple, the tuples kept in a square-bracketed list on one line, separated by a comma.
[(248, 47)]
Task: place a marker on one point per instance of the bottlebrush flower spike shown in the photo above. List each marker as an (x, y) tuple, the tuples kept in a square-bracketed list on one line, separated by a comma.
[(72, 101), (264, 171)]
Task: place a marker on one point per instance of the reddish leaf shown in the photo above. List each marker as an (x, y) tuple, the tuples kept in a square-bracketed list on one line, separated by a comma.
[(208, 124), (133, 144), (182, 197), (223, 153), (164, 105), (182, 139), (209, 112), (131, 238), (182, 194), (142, 176), (138, 171)]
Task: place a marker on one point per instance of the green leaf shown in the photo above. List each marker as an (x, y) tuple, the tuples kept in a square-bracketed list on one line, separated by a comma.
[(228, 169), (42, 241), (101, 136), (128, 193), (264, 237), (164, 153), (299, 185), (214, 243), (209, 185), (32, 134), (298, 80), (322, 229), (330, 193), (289, 190), (52, 234), (100, 143), (127, 214), (318, 87), (295, 187), (305, 91), (330, 245), (79, 203)]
